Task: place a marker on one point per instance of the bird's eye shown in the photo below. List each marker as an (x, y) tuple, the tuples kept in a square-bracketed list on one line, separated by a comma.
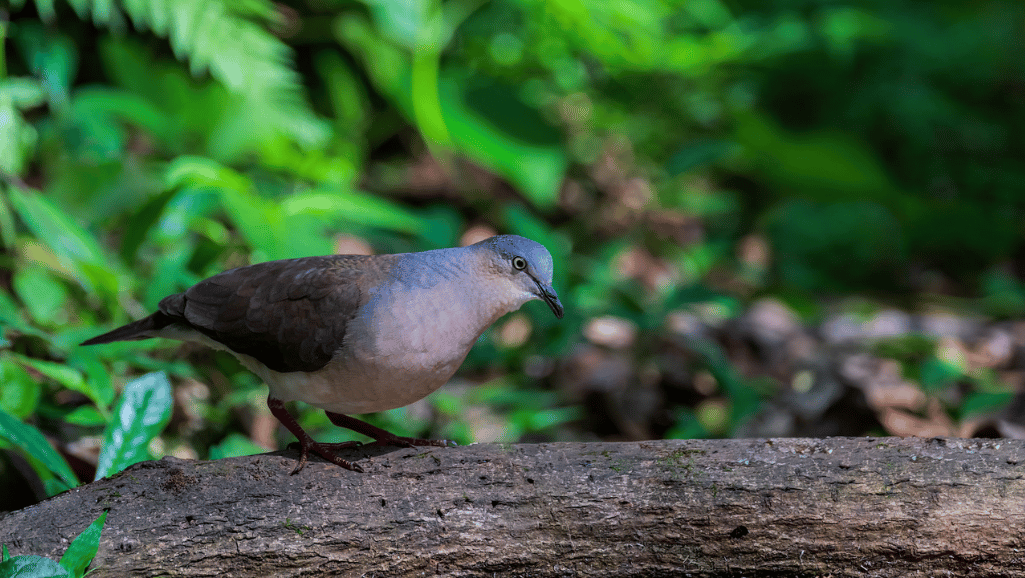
[(519, 263)]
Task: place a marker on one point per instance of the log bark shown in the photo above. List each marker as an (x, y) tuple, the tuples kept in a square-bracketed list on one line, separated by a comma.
[(778, 507)]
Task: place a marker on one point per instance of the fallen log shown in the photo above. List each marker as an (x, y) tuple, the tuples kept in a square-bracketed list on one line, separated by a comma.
[(802, 507)]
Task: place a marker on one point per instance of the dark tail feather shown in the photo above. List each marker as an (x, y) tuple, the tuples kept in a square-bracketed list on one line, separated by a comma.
[(133, 331)]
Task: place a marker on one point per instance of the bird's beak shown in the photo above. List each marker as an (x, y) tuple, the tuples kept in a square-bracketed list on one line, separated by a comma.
[(549, 296)]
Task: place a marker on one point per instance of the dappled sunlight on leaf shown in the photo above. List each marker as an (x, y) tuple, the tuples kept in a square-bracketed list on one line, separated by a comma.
[(140, 415)]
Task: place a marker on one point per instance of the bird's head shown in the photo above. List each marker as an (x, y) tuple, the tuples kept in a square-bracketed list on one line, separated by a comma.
[(526, 264)]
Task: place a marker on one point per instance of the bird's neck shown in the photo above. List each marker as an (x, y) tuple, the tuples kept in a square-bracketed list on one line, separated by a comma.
[(478, 291)]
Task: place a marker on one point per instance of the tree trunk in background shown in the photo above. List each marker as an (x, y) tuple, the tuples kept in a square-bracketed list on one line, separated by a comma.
[(835, 506)]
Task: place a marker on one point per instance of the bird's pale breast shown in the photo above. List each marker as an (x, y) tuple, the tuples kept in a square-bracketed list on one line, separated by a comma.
[(404, 345)]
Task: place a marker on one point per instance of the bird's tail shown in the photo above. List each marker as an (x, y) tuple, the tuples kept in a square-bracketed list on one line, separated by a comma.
[(141, 329)]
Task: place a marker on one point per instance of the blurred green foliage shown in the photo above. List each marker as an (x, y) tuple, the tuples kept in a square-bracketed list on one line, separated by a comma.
[(873, 146)]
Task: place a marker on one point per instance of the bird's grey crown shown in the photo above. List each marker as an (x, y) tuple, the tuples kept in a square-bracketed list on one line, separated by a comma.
[(509, 246)]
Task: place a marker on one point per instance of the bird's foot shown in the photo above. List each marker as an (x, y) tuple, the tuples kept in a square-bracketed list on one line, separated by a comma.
[(307, 443), (325, 451)]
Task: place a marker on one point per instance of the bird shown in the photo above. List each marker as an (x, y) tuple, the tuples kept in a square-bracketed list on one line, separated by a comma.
[(354, 334)]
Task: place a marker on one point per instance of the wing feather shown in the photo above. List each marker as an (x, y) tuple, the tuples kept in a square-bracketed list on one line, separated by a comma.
[(291, 315)]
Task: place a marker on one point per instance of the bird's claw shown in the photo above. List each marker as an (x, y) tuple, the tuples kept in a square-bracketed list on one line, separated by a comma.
[(325, 451)]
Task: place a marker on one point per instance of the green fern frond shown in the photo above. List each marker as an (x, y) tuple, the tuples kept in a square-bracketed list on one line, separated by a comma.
[(227, 39)]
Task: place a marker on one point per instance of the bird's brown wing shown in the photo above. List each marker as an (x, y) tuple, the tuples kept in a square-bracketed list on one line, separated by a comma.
[(291, 315)]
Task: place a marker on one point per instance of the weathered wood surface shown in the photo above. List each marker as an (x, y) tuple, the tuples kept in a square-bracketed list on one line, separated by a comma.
[(801, 507)]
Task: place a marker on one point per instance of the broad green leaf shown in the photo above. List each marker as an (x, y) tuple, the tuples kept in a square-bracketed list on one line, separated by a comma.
[(83, 548), (86, 416), (66, 376), (52, 485), (935, 374), (19, 393), (257, 220), (402, 22), (141, 414), (32, 567), (340, 166), (201, 172), (170, 275), (347, 92), (17, 140), (29, 439), (104, 102), (387, 66), (51, 57), (24, 92), (360, 208), (822, 165), (77, 249), (43, 295), (978, 403), (489, 124), (97, 375), (699, 153), (181, 214), (10, 312)]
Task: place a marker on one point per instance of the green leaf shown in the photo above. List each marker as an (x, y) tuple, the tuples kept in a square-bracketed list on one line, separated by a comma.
[(201, 173), (31, 567), (97, 375), (489, 124), (356, 207), (141, 414), (24, 92), (17, 140), (76, 248), (258, 220), (221, 36), (68, 377), (86, 416), (47, 11), (699, 153), (935, 374), (32, 442), (977, 403), (19, 393), (51, 57), (43, 296), (10, 312), (349, 102), (402, 22), (83, 549), (387, 65), (821, 165)]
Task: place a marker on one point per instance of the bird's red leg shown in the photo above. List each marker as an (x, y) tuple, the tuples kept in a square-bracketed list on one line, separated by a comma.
[(306, 443), (381, 437)]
